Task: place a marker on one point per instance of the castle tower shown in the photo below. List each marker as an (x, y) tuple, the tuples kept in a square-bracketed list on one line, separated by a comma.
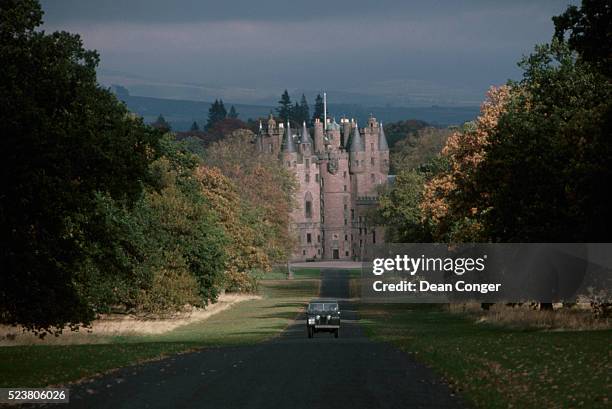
[(289, 152), (305, 141), (383, 151), (319, 143), (357, 152)]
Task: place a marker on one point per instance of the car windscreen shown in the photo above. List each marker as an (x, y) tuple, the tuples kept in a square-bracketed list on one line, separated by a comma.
[(323, 307)]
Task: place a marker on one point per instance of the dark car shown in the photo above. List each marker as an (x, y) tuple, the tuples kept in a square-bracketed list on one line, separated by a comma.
[(323, 316)]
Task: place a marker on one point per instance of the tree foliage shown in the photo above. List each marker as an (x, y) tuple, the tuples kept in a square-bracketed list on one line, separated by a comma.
[(97, 210), (318, 109), (550, 158), (590, 32), (263, 184), (216, 113), (450, 200)]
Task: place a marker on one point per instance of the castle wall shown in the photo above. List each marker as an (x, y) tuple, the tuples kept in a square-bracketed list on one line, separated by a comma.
[(308, 221)]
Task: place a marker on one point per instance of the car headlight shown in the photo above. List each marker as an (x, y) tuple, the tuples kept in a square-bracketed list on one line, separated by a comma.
[(328, 317), (318, 317), (311, 320)]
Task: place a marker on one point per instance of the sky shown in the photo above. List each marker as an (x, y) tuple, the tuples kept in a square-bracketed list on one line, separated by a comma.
[(403, 52)]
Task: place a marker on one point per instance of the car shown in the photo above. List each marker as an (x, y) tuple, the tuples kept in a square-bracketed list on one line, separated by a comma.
[(323, 316)]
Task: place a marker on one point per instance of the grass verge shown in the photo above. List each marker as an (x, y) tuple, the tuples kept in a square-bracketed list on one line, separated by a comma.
[(245, 323), (497, 367)]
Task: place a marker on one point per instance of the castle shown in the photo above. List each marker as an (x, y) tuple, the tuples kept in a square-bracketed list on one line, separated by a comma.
[(339, 170)]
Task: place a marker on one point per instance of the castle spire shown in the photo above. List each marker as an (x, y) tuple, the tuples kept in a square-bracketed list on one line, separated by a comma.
[(356, 142), (305, 135), (289, 146), (382, 139)]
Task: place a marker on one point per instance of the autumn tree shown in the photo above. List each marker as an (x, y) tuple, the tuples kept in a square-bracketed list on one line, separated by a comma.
[(452, 201), (246, 248), (262, 183)]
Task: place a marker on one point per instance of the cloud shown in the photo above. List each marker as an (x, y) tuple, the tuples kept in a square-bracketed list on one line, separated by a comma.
[(463, 45)]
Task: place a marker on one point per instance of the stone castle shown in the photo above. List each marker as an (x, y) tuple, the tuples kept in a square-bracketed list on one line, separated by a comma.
[(339, 170)]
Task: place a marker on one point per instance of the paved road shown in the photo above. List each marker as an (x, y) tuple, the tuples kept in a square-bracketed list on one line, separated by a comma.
[(289, 372)]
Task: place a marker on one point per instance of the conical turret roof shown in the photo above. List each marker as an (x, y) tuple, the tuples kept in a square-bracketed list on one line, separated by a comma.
[(305, 135), (356, 142), (382, 139), (289, 145)]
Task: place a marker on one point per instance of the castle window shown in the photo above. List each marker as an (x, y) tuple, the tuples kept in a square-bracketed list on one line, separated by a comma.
[(318, 251), (346, 237), (303, 252), (345, 188), (307, 163), (308, 205), (345, 206), (318, 238), (352, 214), (308, 238), (374, 236), (345, 222), (372, 177), (346, 253), (372, 146), (317, 177), (308, 209), (345, 174), (372, 161), (307, 177)]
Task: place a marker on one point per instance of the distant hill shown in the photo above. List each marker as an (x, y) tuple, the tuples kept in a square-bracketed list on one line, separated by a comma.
[(181, 113)]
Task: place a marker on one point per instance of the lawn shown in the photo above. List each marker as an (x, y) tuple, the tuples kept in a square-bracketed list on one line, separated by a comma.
[(300, 273), (497, 367), (245, 323)]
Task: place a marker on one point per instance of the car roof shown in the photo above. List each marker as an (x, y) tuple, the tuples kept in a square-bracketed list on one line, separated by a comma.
[(323, 301)]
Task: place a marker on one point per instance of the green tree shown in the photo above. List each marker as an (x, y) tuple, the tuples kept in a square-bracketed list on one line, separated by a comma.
[(216, 113), (161, 124), (65, 143), (590, 32), (549, 164), (194, 127), (318, 109), (304, 110), (399, 209), (232, 113), (285, 108)]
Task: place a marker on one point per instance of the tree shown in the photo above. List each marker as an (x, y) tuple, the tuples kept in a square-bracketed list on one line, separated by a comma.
[(590, 32), (246, 248), (264, 186), (161, 124), (452, 200), (549, 162), (65, 143), (399, 209), (318, 109), (232, 113), (194, 127), (304, 110), (216, 113), (285, 107)]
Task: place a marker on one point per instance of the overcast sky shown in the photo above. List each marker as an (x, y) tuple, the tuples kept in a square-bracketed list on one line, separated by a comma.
[(252, 48)]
